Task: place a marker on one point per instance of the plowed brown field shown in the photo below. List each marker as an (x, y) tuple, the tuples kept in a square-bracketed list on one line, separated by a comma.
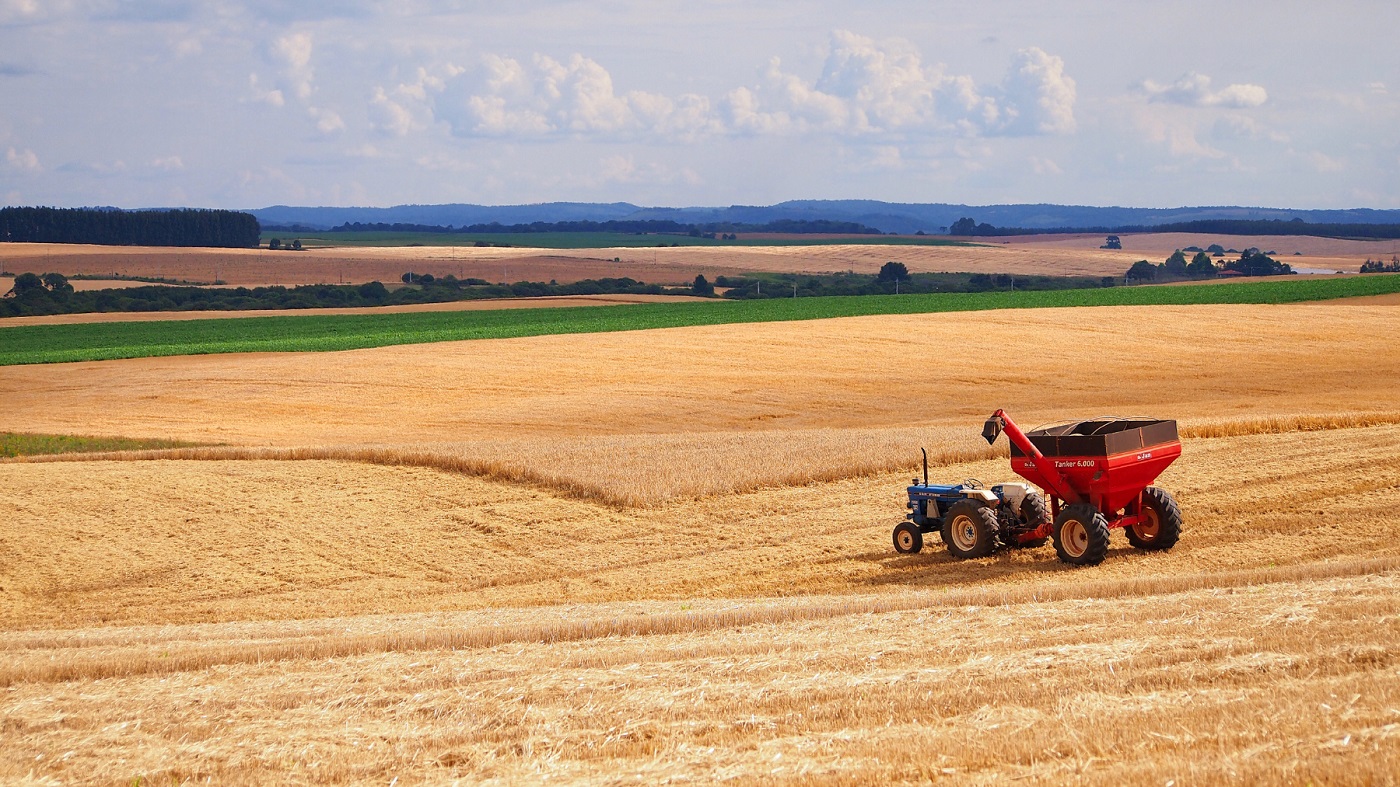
[(665, 555), (1061, 255)]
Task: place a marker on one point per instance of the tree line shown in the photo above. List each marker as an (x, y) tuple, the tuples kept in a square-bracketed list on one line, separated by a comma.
[(51, 293), (1251, 262), (638, 227), (970, 227), (113, 227)]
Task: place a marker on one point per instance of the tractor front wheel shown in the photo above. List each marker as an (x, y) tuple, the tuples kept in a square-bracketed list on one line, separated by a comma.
[(908, 539), (970, 529), (1081, 535), (1161, 521)]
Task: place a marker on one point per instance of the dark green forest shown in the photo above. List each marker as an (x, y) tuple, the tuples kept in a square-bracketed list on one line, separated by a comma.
[(112, 227)]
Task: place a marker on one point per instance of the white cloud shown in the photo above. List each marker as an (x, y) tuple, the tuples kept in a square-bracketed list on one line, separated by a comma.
[(168, 163), (865, 88), (327, 121), (885, 88), (1235, 126), (25, 161), (1193, 90), (273, 97), (293, 54), (19, 11), (506, 97), (1038, 96), (1324, 163)]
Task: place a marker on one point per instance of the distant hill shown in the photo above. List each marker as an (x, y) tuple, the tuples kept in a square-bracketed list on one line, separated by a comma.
[(904, 218)]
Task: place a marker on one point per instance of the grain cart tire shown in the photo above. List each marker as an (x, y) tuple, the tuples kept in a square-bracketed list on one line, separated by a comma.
[(1034, 514), (908, 539), (970, 529), (1081, 535), (1162, 527)]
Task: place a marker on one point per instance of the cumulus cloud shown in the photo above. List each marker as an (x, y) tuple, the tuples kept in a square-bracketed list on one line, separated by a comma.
[(293, 55), (878, 88), (20, 11), (168, 163), (1037, 95), (327, 121), (273, 97), (22, 161), (865, 88), (1194, 90), (507, 97)]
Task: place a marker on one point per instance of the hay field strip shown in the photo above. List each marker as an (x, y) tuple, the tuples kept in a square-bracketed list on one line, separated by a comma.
[(85, 342)]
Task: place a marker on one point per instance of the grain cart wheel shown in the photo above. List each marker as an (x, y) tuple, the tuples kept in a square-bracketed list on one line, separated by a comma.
[(1081, 535), (1034, 514), (970, 529), (1162, 521), (908, 539)]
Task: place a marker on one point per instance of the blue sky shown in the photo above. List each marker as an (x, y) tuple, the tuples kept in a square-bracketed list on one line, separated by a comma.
[(256, 102)]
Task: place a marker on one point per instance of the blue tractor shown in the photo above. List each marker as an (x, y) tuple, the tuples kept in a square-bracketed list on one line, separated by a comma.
[(973, 520)]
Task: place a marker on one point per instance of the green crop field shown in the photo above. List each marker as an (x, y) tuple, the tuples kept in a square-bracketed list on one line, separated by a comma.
[(26, 444), (111, 340), (588, 240)]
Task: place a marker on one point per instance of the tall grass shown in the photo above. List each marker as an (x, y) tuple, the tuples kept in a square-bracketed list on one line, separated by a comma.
[(106, 341)]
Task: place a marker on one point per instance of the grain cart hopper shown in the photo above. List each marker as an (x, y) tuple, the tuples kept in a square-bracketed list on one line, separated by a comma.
[(1096, 474)]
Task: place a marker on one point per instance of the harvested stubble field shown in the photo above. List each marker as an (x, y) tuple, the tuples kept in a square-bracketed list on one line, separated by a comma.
[(668, 558), (1063, 255)]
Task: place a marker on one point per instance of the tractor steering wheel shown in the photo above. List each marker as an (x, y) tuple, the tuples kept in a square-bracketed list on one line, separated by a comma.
[(972, 483)]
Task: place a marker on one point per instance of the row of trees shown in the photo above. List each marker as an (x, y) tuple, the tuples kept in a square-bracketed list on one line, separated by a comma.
[(112, 227), (968, 226), (1251, 262), (51, 293), (1377, 266)]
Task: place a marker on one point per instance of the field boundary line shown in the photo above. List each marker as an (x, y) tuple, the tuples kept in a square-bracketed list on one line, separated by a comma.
[(49, 667)]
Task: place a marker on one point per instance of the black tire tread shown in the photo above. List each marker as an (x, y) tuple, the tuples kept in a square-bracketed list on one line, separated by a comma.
[(1097, 528), (985, 516), (1168, 521)]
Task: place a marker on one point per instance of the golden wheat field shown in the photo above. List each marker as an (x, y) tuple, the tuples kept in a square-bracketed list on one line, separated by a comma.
[(1061, 255), (665, 556)]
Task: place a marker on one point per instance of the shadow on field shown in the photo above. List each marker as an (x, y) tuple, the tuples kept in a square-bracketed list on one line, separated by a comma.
[(934, 566)]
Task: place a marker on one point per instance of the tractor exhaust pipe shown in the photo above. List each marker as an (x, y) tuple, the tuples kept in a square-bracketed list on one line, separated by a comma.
[(924, 451)]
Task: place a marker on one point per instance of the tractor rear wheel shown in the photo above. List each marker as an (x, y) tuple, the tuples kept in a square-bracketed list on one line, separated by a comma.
[(1033, 510), (908, 539), (1161, 525), (970, 529), (1081, 535)]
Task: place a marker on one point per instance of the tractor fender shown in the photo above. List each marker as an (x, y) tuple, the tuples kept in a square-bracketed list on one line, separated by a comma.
[(985, 495), (1012, 494)]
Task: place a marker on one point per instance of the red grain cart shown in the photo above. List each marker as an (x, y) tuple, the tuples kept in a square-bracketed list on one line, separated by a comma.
[(1097, 475)]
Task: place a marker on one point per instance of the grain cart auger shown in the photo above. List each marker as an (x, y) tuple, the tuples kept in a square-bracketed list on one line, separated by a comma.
[(1097, 474)]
